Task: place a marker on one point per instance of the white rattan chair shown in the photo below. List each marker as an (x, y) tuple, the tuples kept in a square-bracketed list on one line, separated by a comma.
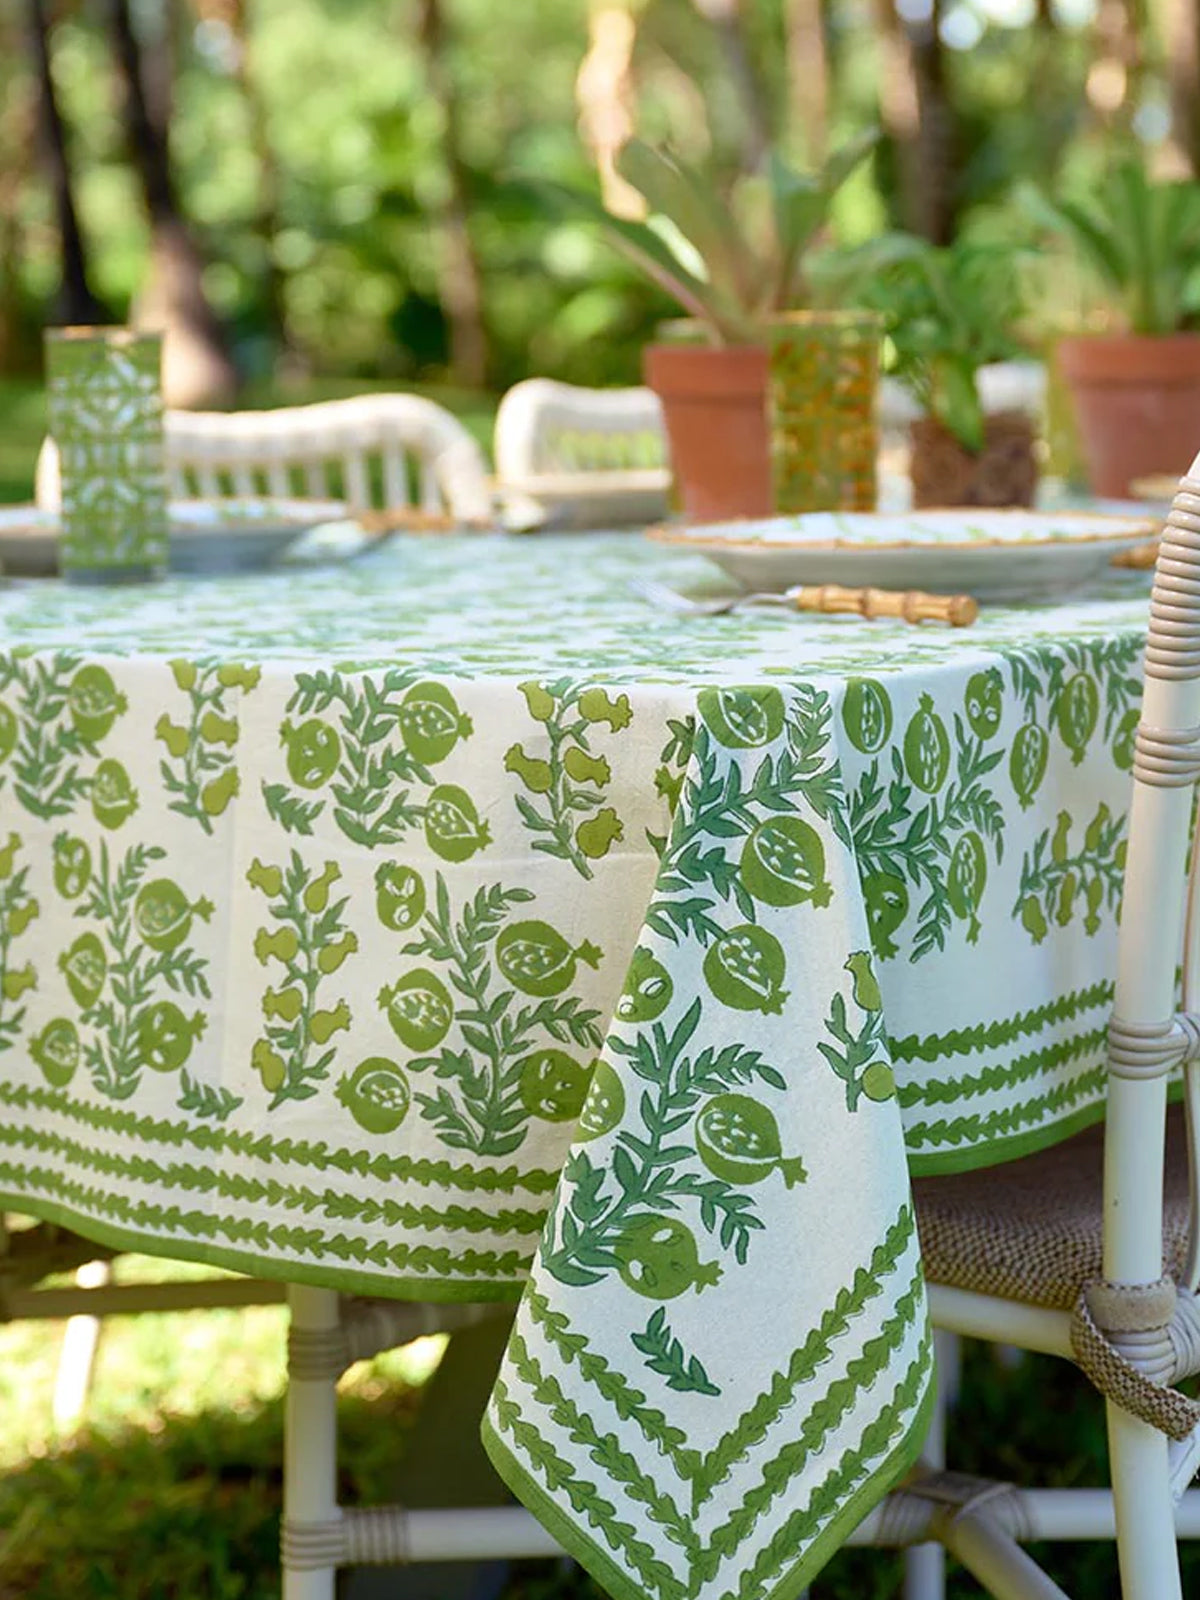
[(1091, 1250), (390, 450), (584, 458)]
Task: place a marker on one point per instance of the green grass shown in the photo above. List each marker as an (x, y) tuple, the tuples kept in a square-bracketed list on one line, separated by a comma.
[(172, 1490), (23, 418)]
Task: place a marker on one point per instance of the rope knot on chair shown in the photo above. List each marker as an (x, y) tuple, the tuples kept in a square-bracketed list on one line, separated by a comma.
[(1152, 1049), (1133, 1341)]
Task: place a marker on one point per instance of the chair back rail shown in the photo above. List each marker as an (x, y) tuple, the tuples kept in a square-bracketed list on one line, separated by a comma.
[(548, 427), (391, 449)]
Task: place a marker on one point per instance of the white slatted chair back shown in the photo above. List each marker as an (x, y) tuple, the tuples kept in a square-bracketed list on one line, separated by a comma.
[(565, 453), (389, 450)]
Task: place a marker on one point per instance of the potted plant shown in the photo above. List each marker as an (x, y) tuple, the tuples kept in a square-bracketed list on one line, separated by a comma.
[(1136, 391), (749, 364), (948, 313)]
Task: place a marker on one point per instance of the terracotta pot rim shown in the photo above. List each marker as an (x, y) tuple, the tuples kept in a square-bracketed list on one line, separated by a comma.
[(724, 374), (1163, 361)]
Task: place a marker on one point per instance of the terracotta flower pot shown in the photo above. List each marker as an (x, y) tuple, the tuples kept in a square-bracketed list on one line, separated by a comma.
[(715, 411), (1003, 473), (1137, 402)]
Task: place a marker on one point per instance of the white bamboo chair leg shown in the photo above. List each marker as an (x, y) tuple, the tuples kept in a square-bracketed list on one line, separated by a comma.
[(77, 1355), (1145, 1510), (310, 1453), (925, 1564)]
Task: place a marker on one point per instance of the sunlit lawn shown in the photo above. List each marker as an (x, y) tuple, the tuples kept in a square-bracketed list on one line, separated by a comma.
[(171, 1490)]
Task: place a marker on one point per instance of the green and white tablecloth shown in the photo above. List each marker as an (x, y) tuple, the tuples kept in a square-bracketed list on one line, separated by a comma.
[(451, 923)]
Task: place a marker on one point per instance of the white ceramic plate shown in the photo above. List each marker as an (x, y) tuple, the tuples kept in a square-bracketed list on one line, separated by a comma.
[(206, 535), (994, 555)]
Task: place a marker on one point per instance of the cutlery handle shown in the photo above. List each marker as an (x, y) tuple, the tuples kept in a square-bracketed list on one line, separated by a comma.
[(913, 605), (1141, 558)]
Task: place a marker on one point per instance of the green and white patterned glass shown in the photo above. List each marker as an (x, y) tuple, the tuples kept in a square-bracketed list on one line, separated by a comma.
[(106, 417)]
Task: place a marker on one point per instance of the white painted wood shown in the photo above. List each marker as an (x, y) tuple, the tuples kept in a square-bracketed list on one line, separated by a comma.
[(580, 457), (310, 1446), (350, 434), (77, 1354), (982, 1316)]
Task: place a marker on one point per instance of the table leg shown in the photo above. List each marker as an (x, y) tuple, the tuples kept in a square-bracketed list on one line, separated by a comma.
[(310, 1508)]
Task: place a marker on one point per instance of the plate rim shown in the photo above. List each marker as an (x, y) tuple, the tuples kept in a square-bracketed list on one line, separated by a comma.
[(1132, 530)]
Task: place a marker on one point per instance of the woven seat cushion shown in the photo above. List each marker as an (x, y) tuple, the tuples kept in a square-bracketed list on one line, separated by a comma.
[(1029, 1230)]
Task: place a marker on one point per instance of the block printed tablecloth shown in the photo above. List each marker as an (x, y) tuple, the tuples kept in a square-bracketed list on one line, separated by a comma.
[(451, 923)]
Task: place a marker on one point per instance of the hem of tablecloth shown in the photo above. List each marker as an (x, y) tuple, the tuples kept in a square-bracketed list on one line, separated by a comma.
[(937, 1164), (621, 1586), (349, 1280), (1021, 1144)]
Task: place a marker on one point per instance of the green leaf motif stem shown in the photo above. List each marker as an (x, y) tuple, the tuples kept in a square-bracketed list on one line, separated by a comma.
[(60, 711), (310, 944), (568, 781), (608, 1221), (936, 847), (1057, 881), (199, 768), (666, 1356), (368, 768), (18, 908), (859, 1056), (717, 804), (497, 1072), (114, 975)]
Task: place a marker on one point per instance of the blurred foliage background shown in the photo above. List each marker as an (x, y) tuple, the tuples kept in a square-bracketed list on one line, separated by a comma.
[(316, 187)]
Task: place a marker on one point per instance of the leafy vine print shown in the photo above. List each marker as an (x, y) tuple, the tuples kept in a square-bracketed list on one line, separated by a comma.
[(499, 1072), (63, 709), (622, 1214), (672, 767), (388, 733), (782, 858), (310, 943), (569, 780), (666, 1356), (199, 768), (937, 847), (859, 1057), (114, 977), (1056, 880), (18, 908)]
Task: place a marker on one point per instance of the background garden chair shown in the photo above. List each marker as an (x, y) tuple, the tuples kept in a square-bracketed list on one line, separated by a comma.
[(584, 458), (386, 451)]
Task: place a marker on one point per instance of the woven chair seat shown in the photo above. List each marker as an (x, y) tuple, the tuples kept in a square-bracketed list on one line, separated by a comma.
[(1029, 1230)]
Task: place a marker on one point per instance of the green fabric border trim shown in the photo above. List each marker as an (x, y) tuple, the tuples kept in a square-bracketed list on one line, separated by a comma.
[(996, 1152), (349, 1280), (618, 1582), (944, 1162), (988, 1035)]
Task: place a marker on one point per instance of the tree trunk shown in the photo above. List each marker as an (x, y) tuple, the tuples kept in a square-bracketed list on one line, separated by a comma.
[(918, 116), (197, 368), (937, 133), (1183, 55), (462, 285), (809, 75), (727, 21), (75, 302), (18, 131)]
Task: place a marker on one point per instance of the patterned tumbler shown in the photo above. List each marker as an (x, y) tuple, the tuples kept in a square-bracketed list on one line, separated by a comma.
[(106, 417)]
